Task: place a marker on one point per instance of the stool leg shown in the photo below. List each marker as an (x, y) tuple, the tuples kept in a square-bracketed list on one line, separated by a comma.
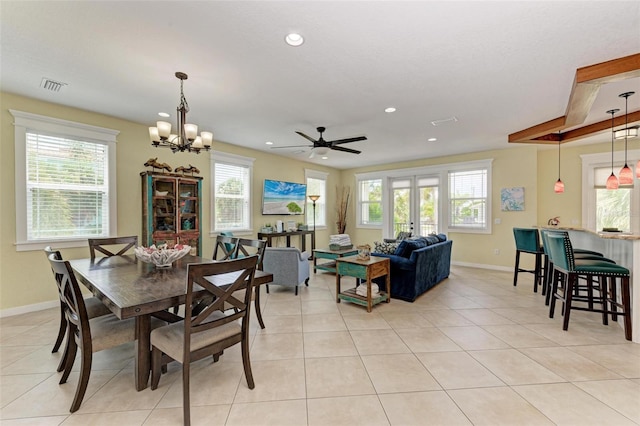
[(613, 292), (545, 276), (552, 277), (590, 292), (626, 303), (552, 293), (568, 295), (536, 272), (603, 294), (515, 272)]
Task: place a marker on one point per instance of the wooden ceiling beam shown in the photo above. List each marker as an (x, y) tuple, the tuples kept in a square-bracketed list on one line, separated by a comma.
[(586, 85)]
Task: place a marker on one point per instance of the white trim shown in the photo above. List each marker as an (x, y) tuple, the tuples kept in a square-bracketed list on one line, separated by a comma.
[(19, 310), (483, 266), (233, 160), (43, 124)]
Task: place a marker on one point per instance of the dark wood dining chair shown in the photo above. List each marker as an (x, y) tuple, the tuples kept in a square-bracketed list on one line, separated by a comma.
[(90, 335), (93, 305), (107, 246), (248, 247), (213, 329), (225, 247)]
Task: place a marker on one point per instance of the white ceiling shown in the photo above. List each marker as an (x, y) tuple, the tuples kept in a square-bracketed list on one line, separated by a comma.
[(499, 67)]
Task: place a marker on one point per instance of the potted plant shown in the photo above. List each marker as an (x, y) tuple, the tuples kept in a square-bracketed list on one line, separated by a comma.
[(267, 228), (302, 227)]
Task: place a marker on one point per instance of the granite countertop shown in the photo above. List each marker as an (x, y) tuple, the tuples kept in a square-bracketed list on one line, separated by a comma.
[(608, 235)]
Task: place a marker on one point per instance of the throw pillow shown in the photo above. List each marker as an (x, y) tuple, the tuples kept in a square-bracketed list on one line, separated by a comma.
[(432, 239), (384, 247), (406, 247)]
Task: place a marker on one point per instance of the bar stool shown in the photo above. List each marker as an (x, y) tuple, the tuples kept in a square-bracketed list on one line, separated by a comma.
[(567, 270), (579, 255), (528, 241)]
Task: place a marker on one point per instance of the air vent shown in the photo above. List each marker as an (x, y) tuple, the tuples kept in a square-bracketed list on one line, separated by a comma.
[(444, 121), (52, 85)]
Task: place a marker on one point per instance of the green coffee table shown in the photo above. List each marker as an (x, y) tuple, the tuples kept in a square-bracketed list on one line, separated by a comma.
[(366, 270)]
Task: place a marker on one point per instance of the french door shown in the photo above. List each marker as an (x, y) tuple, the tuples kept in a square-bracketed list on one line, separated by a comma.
[(414, 204)]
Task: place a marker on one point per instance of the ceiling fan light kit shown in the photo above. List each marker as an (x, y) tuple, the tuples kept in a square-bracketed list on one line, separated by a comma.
[(322, 147)]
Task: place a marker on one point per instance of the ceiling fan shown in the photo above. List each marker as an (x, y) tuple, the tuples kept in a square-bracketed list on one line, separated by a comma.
[(321, 147)]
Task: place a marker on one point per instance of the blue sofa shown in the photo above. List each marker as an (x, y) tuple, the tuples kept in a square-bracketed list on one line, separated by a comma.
[(417, 265)]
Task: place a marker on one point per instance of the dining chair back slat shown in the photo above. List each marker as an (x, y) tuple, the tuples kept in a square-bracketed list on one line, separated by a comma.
[(225, 248), (107, 246)]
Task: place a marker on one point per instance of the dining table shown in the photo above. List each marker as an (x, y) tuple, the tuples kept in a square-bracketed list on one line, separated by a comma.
[(131, 288)]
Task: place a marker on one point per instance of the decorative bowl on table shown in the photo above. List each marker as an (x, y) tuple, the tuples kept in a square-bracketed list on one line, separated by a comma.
[(162, 256)]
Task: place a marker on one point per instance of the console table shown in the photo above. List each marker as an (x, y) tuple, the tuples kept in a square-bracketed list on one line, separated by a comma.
[(303, 238)]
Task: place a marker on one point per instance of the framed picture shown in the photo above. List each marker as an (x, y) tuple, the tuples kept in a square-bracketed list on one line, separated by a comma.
[(512, 199)]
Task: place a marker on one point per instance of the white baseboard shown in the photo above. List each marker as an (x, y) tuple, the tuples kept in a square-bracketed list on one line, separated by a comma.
[(29, 308), (483, 266)]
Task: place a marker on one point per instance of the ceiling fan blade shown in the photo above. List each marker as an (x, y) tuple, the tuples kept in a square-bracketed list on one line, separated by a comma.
[(292, 146), (347, 140), (343, 149), (306, 137)]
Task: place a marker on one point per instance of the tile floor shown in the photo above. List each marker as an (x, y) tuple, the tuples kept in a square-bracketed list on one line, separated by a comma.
[(473, 350)]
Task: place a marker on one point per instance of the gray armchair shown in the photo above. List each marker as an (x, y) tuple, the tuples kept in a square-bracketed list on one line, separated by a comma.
[(289, 266)]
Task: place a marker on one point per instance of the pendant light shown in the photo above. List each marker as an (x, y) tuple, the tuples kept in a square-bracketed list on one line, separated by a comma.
[(558, 188), (626, 174), (612, 181)]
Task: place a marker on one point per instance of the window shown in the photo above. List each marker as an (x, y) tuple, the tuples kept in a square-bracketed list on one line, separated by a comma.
[(468, 200), (65, 182), (370, 202), (231, 192), (316, 185), (604, 208)]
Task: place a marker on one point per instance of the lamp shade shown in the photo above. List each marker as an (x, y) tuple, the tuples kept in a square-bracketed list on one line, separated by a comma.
[(626, 176), (558, 188), (612, 182), (638, 170)]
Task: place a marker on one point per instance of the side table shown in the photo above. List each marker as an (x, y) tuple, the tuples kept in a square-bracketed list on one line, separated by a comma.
[(367, 270), (332, 255)]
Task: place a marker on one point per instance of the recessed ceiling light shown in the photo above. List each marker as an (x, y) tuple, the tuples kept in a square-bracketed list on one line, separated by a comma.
[(325, 158), (163, 114), (294, 39), (269, 143), (390, 110), (432, 139)]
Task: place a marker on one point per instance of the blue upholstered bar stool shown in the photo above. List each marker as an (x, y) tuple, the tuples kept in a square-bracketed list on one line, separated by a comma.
[(567, 270), (528, 241)]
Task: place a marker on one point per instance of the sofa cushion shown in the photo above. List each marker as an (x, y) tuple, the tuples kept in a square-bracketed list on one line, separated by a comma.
[(432, 239), (384, 247), (406, 247)]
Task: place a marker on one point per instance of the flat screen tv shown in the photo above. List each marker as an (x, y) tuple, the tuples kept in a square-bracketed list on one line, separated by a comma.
[(283, 198)]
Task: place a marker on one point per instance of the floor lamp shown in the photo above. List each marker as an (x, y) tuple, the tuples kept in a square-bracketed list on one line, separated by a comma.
[(313, 199)]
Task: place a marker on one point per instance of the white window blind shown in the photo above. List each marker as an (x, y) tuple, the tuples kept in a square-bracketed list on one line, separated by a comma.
[(67, 187), (468, 199), (231, 192)]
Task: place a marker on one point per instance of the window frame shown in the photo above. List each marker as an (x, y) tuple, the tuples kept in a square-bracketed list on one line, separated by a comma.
[(321, 220), (28, 122), (442, 172), (237, 161), (592, 161), (362, 177)]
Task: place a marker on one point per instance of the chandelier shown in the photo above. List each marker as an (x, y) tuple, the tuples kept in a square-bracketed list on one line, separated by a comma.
[(187, 139)]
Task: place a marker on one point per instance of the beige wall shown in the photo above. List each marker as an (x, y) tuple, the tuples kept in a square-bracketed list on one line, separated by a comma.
[(25, 278)]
